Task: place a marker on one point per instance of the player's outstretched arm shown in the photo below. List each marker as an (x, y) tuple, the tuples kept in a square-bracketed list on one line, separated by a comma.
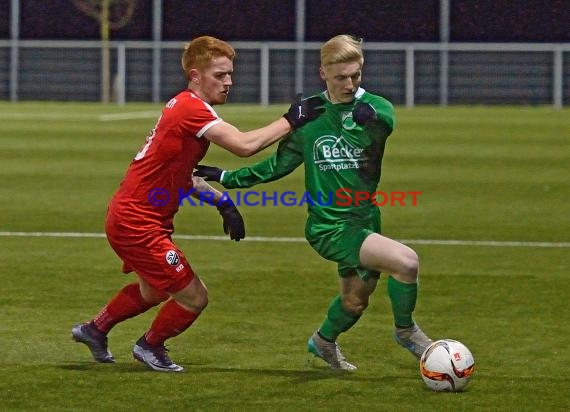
[(211, 173), (245, 144), (288, 157)]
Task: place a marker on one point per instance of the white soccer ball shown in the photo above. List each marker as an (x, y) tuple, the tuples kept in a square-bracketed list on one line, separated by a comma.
[(447, 365)]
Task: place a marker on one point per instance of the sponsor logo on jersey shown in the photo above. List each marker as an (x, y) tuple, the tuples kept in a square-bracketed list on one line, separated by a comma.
[(347, 122), (172, 258), (335, 152)]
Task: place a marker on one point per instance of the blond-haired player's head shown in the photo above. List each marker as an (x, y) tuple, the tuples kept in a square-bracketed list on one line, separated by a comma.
[(343, 48), (341, 67), (208, 65)]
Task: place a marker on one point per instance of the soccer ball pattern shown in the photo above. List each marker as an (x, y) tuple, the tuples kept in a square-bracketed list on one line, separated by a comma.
[(447, 365)]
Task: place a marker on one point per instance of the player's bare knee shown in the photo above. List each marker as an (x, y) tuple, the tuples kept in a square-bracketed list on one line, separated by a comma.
[(199, 300), (151, 295), (202, 297), (410, 265), (193, 297), (354, 305), (200, 305), (154, 297), (202, 301), (192, 303)]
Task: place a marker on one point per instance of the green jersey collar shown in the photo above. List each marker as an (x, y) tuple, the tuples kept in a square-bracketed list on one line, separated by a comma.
[(357, 95)]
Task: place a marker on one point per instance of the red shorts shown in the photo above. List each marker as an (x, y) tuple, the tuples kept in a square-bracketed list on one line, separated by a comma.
[(154, 257)]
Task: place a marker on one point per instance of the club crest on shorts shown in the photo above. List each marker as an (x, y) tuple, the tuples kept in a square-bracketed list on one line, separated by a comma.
[(172, 257)]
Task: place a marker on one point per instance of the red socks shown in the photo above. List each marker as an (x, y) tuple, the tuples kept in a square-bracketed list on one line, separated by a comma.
[(172, 320), (126, 304)]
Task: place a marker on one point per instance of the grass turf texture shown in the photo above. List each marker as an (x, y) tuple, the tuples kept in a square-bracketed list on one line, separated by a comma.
[(485, 174)]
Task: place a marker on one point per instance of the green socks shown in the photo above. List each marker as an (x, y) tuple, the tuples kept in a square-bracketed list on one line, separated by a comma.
[(403, 298), (338, 320)]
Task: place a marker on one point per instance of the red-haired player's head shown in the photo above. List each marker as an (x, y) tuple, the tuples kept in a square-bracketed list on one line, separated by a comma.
[(208, 65)]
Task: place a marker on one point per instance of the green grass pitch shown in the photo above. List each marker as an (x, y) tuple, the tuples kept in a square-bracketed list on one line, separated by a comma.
[(486, 174)]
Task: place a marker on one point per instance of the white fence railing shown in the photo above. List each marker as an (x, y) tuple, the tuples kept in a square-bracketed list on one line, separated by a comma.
[(267, 72)]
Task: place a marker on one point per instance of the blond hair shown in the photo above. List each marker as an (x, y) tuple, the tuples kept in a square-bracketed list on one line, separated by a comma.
[(199, 52), (343, 48)]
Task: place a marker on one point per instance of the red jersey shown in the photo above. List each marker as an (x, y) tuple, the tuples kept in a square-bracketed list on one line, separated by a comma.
[(148, 196)]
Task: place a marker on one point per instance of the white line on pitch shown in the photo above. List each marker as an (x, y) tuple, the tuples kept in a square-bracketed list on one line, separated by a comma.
[(440, 242), (51, 116), (112, 117)]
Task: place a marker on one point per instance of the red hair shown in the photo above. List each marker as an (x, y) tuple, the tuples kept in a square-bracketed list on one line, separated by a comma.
[(199, 52)]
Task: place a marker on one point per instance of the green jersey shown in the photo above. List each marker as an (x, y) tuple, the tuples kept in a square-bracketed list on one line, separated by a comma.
[(342, 160)]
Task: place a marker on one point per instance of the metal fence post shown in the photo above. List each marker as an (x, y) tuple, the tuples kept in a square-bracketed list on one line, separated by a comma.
[(14, 49), (264, 77), (410, 75), (120, 86), (557, 73)]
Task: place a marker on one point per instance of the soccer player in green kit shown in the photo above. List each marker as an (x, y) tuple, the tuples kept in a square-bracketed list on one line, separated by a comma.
[(342, 153)]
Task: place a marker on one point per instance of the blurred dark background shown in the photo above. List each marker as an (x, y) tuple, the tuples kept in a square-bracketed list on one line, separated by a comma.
[(265, 20)]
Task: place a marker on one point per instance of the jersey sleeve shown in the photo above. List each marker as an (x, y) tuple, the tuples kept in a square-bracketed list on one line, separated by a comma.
[(286, 159), (196, 117)]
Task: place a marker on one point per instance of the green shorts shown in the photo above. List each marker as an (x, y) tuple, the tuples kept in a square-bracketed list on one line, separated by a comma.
[(341, 241)]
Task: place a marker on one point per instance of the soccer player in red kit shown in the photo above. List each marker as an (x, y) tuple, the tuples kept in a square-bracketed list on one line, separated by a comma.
[(140, 216)]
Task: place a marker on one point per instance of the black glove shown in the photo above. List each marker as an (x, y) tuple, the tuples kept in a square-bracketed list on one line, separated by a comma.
[(363, 113), (232, 220), (209, 173), (302, 111)]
